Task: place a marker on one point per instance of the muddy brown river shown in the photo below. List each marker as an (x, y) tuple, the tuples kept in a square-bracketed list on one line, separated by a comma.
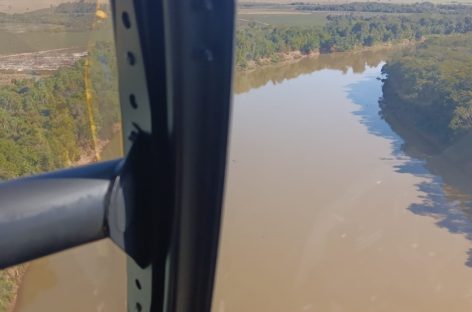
[(324, 209)]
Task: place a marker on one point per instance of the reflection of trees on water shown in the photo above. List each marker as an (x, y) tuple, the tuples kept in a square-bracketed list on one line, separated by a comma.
[(450, 208), (446, 187), (357, 61)]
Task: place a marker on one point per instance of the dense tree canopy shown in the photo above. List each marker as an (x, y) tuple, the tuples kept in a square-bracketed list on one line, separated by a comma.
[(343, 33), (45, 124), (71, 16), (383, 7), (429, 88)]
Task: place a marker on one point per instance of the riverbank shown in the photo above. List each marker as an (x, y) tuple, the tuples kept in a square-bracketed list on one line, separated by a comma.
[(276, 59), (10, 281), (90, 155), (429, 100), (295, 56)]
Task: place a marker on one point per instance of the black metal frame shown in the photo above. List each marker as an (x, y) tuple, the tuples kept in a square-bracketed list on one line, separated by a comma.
[(162, 204), (199, 46)]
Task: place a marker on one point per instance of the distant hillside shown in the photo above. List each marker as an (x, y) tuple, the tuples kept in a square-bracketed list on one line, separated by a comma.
[(348, 1), (21, 6)]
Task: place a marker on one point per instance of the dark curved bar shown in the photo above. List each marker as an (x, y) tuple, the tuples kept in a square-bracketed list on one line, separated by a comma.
[(44, 214)]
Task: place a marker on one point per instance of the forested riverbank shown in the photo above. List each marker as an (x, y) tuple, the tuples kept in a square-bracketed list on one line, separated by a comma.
[(429, 88), (427, 100), (384, 7), (255, 44)]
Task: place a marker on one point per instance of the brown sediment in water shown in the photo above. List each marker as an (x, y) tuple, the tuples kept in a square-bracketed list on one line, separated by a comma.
[(325, 212), (87, 278)]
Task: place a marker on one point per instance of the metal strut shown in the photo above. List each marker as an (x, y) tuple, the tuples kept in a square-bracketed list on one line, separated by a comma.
[(48, 213)]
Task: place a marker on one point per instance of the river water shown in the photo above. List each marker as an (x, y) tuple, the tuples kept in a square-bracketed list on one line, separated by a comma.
[(324, 210)]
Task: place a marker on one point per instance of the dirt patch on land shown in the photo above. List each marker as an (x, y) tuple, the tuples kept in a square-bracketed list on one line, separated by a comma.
[(48, 60), (36, 65)]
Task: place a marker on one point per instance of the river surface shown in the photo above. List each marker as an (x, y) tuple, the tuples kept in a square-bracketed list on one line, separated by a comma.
[(324, 211)]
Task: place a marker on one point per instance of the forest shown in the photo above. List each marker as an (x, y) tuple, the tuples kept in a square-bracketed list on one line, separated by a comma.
[(429, 89), (69, 16), (342, 33), (47, 124), (383, 7)]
